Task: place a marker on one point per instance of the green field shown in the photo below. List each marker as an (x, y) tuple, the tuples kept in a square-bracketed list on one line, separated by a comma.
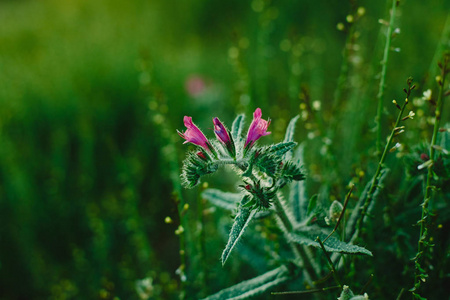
[(91, 96)]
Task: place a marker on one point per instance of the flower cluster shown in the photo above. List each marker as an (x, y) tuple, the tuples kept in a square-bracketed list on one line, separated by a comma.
[(194, 135), (264, 170)]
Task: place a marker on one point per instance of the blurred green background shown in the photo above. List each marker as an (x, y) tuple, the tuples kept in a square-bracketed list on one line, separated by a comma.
[(91, 93)]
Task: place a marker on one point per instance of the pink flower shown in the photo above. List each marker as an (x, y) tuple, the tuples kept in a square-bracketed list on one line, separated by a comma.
[(195, 85), (257, 129), (223, 135), (194, 135), (220, 131)]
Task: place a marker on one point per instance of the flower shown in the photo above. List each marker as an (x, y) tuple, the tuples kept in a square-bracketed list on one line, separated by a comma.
[(195, 86), (220, 131), (223, 135), (257, 129), (194, 135)]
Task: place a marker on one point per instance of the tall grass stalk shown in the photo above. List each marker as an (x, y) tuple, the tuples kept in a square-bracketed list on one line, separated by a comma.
[(374, 185), (420, 275), (384, 62)]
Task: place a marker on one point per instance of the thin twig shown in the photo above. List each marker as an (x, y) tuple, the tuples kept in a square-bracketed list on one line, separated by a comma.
[(342, 213), (376, 177), (333, 270), (400, 294), (367, 284)]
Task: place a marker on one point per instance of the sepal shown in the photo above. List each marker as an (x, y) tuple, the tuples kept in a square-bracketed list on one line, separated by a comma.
[(196, 165), (259, 197)]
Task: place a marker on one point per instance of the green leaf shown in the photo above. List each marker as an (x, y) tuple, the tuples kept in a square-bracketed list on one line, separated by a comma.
[(253, 287), (222, 199), (243, 218), (307, 235), (292, 171), (290, 130), (312, 205), (236, 129), (268, 163), (281, 148), (289, 136), (297, 194)]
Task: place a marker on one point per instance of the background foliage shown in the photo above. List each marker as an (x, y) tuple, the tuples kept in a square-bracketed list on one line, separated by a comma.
[(91, 93)]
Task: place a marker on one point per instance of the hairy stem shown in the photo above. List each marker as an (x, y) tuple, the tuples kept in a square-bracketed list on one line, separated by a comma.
[(296, 248), (384, 63)]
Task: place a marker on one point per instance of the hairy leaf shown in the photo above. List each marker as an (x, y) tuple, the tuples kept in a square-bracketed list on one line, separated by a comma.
[(289, 136), (281, 148), (268, 163), (236, 130), (292, 171), (297, 194), (312, 205), (241, 222), (222, 199), (253, 287), (307, 235)]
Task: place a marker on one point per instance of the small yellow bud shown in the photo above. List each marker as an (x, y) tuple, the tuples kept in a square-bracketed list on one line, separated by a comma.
[(316, 105), (168, 220), (361, 11), (179, 230), (350, 19), (205, 185), (186, 206), (340, 26), (439, 226)]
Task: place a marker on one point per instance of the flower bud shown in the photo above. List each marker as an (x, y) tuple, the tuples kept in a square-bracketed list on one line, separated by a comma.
[(335, 211)]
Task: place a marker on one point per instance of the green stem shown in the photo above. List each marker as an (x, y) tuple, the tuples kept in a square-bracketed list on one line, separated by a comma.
[(308, 291), (383, 75), (298, 250), (376, 177), (333, 270), (429, 187)]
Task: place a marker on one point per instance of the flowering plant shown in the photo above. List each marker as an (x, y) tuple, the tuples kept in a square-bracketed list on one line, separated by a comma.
[(264, 171)]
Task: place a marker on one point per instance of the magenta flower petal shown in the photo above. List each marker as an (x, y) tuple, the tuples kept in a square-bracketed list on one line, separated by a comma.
[(221, 132), (223, 135), (257, 129), (194, 135)]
